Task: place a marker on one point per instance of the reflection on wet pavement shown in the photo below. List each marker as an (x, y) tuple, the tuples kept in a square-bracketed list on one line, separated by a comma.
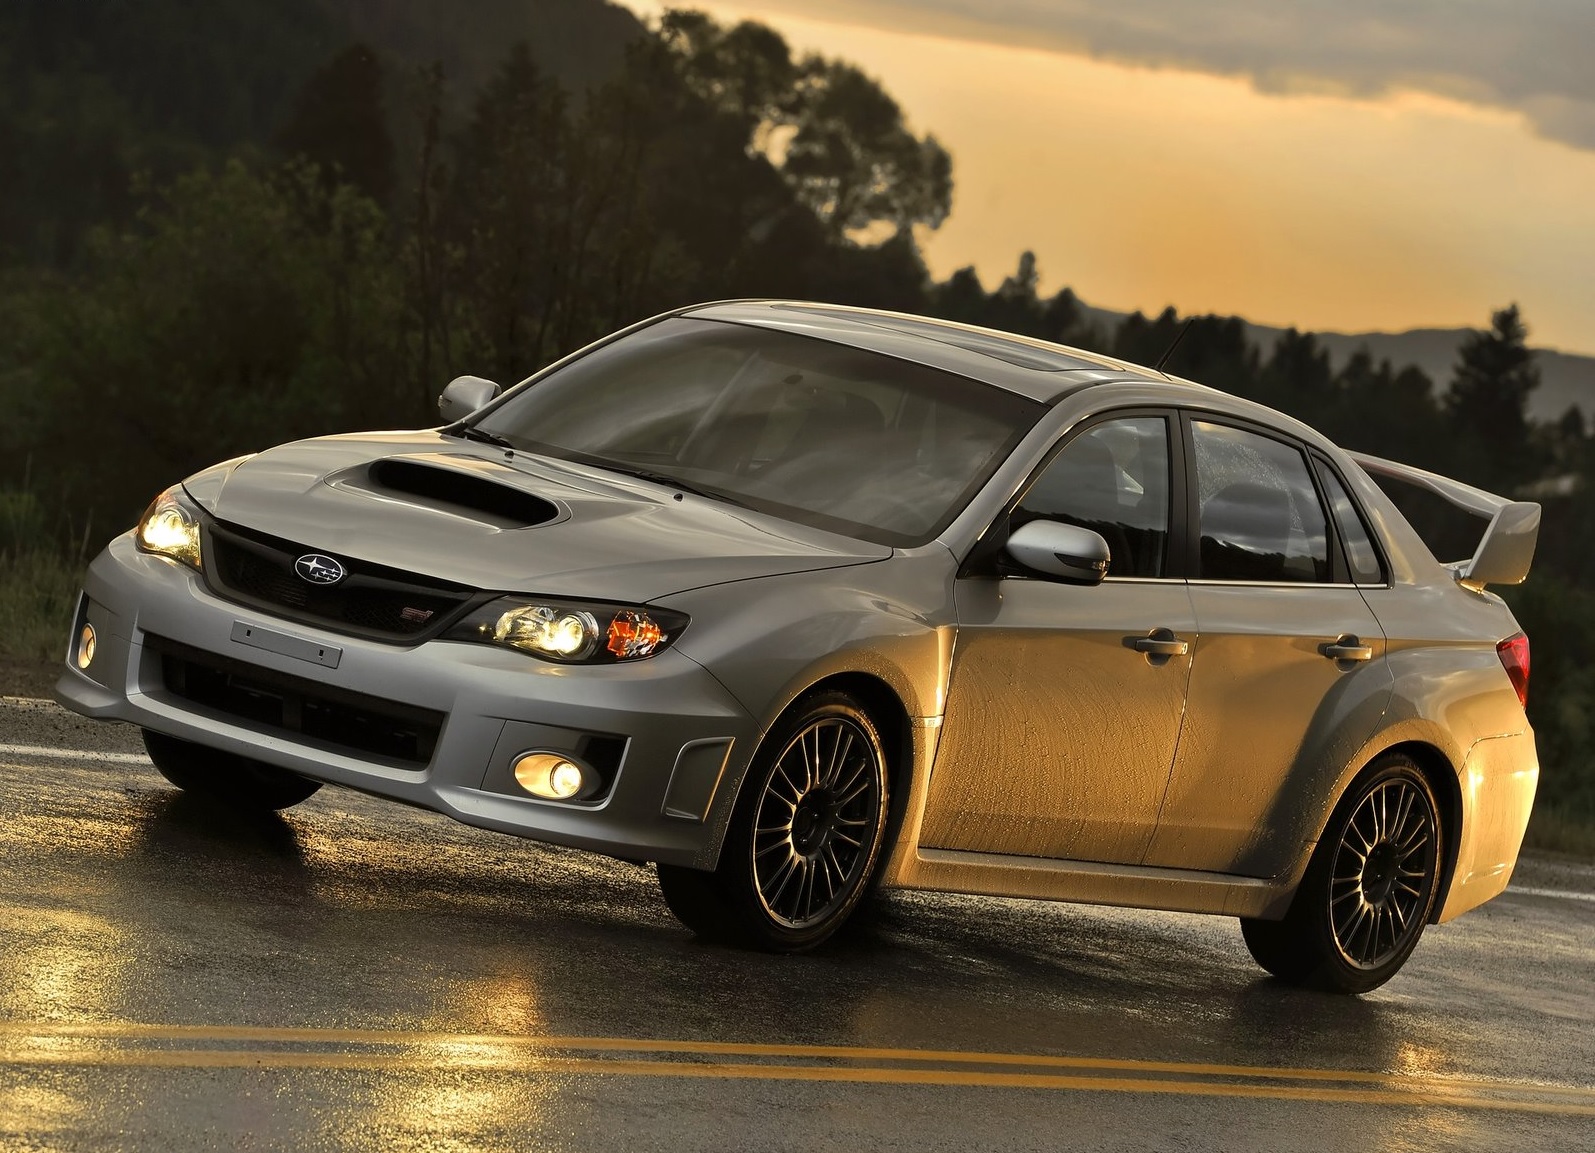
[(356, 975)]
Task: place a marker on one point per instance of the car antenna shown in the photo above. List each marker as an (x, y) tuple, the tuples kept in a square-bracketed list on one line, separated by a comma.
[(1179, 336)]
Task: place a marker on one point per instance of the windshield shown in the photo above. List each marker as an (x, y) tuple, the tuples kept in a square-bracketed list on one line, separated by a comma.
[(812, 431)]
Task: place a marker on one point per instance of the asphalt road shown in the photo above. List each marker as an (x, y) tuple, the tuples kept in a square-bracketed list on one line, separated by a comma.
[(357, 975)]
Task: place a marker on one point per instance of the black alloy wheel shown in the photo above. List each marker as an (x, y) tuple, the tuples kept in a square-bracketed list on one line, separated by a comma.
[(805, 839), (1369, 890), (1382, 880)]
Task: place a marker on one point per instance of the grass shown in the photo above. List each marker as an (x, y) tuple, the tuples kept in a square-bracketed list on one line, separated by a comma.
[(38, 591), (1558, 830)]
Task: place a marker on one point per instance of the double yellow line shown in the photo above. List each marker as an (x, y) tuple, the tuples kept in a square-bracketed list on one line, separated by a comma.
[(132, 1045)]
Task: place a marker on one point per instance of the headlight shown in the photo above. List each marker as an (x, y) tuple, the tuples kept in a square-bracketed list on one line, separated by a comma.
[(573, 632), (170, 528)]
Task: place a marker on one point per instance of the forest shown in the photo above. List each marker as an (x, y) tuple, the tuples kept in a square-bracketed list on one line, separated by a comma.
[(223, 226)]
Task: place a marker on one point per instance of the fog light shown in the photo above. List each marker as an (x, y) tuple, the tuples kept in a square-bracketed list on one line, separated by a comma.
[(86, 642), (554, 777)]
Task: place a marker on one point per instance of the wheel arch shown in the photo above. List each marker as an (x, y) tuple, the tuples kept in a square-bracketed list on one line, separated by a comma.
[(885, 707), (1444, 783), (691, 892), (892, 723)]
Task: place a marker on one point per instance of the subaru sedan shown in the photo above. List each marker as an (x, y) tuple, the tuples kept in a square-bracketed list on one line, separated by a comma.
[(795, 601)]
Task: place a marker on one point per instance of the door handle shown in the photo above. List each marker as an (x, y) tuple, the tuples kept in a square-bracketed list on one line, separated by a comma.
[(1161, 643), (1347, 648)]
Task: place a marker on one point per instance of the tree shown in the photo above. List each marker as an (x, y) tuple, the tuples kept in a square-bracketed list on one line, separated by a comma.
[(513, 208), (853, 160), (1062, 317), (1296, 378), (834, 134), (745, 72), (1373, 408), (1143, 341), (241, 310), (338, 122), (1014, 306), (1488, 401), (426, 255), (1215, 351)]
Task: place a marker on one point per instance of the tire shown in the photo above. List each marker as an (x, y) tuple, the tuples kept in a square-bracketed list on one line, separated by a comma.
[(237, 782), (805, 839), (1369, 889)]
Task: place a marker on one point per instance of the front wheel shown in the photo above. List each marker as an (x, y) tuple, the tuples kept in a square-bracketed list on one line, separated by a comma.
[(1368, 891), (238, 782), (805, 838)]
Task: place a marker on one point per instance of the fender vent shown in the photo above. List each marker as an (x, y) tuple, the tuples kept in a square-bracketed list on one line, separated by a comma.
[(457, 491)]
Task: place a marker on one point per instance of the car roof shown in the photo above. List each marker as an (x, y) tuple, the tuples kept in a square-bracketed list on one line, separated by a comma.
[(1033, 368)]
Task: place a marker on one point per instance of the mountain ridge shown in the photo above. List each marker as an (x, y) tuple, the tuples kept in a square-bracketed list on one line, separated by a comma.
[(1567, 379)]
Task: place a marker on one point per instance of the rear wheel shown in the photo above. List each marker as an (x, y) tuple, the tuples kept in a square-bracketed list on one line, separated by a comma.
[(805, 838), (1368, 892), (238, 782)]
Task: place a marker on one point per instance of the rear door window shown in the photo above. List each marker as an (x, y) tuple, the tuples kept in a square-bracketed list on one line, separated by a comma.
[(1258, 512)]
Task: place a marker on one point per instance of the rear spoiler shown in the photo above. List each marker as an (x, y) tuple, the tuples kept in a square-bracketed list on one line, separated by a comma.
[(1507, 548)]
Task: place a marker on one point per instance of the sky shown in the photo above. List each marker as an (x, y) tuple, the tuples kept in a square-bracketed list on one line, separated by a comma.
[(1337, 165)]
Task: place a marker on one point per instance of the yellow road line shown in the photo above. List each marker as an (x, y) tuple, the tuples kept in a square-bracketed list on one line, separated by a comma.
[(1419, 1095), (132, 1031), (531, 1053)]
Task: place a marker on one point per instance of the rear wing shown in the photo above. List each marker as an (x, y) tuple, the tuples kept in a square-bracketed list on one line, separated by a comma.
[(1506, 550)]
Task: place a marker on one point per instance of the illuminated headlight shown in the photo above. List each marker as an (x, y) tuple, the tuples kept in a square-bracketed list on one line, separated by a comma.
[(170, 528), (573, 632), (554, 777), (549, 632), (83, 654)]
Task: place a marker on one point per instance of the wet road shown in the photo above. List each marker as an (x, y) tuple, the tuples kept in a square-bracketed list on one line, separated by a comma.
[(357, 975)]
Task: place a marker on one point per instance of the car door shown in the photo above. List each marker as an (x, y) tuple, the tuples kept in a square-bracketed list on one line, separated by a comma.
[(1064, 700), (1286, 649)]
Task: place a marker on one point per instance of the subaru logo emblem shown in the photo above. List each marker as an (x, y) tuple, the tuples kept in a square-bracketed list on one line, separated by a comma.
[(319, 569)]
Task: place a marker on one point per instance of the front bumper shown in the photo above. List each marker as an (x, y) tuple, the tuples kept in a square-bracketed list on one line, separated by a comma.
[(676, 740)]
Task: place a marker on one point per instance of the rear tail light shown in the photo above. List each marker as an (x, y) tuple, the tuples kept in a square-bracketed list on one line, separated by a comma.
[(1514, 654)]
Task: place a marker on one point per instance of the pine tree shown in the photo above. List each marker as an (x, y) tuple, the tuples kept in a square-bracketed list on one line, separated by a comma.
[(338, 123), (1487, 404)]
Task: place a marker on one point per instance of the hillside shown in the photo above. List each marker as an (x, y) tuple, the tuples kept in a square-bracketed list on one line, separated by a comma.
[(1566, 379), (92, 93), (576, 41)]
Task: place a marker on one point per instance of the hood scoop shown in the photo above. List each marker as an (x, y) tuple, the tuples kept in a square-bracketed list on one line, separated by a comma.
[(455, 491)]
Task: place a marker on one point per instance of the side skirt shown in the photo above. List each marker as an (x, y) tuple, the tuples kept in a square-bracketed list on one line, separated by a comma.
[(1089, 882)]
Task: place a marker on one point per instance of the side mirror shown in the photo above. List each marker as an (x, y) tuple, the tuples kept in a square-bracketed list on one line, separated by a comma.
[(1064, 551), (463, 396)]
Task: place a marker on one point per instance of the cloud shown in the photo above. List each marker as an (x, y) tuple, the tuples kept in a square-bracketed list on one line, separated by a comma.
[(1528, 56)]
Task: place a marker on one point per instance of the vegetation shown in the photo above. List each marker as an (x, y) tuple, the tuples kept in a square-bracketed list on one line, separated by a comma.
[(238, 223)]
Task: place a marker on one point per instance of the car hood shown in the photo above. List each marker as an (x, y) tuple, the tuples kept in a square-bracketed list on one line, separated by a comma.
[(479, 516)]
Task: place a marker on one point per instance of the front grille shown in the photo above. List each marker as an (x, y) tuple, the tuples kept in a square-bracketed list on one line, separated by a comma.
[(298, 707), (371, 601)]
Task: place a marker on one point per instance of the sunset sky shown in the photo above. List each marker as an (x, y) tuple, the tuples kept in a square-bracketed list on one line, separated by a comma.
[(1346, 165)]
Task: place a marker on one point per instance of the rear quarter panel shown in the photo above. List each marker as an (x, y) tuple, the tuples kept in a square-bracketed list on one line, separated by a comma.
[(1452, 693)]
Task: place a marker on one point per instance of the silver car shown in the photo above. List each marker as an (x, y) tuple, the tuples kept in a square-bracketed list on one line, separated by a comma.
[(796, 600)]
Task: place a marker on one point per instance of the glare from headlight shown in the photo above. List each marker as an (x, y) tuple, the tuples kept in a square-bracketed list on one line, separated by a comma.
[(551, 776), (562, 633), (87, 642), (170, 530)]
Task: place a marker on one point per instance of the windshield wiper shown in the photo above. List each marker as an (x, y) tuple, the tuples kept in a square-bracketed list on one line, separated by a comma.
[(471, 432), (665, 479)]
